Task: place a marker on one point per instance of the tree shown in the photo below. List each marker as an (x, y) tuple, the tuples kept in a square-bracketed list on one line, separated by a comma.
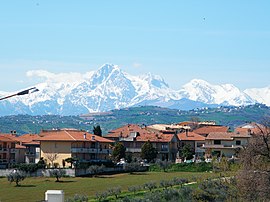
[(95, 169), (119, 151), (253, 179), (97, 130), (187, 152), (164, 164), (16, 176), (57, 173), (148, 151), (71, 160), (51, 157)]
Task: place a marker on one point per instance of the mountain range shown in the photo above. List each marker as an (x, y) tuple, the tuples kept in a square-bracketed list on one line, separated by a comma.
[(111, 88)]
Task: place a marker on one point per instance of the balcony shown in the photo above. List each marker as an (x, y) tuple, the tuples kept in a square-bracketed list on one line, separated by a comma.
[(13, 150), (133, 150), (84, 150), (30, 154), (220, 146)]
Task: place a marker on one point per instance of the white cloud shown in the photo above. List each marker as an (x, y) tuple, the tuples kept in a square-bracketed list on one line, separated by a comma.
[(53, 77), (136, 65)]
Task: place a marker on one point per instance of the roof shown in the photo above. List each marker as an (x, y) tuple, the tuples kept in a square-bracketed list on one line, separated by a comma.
[(28, 139), (17, 146), (142, 134), (250, 128), (209, 129), (190, 136), (225, 136), (5, 138), (70, 136)]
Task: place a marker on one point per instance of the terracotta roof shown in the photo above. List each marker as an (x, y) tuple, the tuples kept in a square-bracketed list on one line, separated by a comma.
[(209, 129), (190, 136), (70, 136), (6, 138), (28, 139), (219, 136), (142, 134), (251, 128), (17, 146)]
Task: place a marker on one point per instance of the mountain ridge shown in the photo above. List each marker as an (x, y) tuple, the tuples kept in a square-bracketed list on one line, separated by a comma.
[(110, 88)]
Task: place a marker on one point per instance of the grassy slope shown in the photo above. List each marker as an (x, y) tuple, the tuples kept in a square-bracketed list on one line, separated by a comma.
[(137, 115), (33, 189)]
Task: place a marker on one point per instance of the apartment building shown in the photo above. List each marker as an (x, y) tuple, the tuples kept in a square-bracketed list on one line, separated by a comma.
[(7, 151), (58, 145)]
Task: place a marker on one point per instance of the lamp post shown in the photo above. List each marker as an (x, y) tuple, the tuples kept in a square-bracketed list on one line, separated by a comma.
[(24, 92)]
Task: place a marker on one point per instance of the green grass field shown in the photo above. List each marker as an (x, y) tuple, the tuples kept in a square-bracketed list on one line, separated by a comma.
[(33, 189)]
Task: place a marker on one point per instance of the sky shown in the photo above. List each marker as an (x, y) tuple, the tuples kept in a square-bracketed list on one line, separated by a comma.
[(218, 41)]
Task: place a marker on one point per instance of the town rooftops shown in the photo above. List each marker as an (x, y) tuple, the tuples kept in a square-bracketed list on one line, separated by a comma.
[(70, 136), (5, 138), (208, 129), (131, 132), (28, 139), (190, 136), (225, 136)]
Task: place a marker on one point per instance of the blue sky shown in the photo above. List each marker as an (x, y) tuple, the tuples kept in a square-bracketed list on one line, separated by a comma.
[(218, 41)]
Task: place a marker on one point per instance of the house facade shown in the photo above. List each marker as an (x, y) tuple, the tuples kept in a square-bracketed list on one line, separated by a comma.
[(7, 151), (195, 141), (224, 144), (133, 137), (58, 145)]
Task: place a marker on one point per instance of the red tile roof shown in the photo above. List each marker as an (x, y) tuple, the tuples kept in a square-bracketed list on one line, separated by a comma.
[(190, 136), (142, 134), (70, 136), (225, 136), (209, 129), (5, 138), (28, 139)]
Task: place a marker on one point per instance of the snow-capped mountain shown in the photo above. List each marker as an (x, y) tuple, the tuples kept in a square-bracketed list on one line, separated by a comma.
[(226, 94), (110, 88), (262, 95)]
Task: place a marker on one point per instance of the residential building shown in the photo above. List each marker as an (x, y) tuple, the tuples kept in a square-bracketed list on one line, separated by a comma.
[(58, 145), (7, 151), (32, 148), (224, 144), (195, 141), (205, 130), (134, 136)]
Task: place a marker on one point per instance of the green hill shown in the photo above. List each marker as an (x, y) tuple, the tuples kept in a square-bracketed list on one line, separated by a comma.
[(230, 116)]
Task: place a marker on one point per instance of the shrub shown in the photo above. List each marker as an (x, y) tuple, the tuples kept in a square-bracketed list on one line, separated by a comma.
[(16, 177), (150, 185), (100, 196), (57, 173), (134, 188), (95, 169), (115, 191), (77, 198)]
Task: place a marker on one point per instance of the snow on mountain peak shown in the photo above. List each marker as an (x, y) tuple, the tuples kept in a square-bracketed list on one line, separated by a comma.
[(109, 88)]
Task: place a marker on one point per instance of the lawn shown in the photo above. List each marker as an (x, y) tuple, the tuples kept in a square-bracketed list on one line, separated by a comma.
[(33, 189)]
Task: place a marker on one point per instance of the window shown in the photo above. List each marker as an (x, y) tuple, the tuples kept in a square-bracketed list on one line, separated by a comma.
[(217, 141), (238, 142)]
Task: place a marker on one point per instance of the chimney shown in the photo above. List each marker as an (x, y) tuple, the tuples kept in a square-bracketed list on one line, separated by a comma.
[(186, 132), (93, 137), (84, 136)]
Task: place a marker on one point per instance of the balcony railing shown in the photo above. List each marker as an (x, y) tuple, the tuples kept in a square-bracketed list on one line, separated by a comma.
[(133, 150), (90, 150)]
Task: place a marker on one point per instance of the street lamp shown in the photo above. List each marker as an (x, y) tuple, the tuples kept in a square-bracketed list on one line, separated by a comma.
[(24, 92)]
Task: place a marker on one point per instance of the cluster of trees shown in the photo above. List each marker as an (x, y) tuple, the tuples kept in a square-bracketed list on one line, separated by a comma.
[(148, 152)]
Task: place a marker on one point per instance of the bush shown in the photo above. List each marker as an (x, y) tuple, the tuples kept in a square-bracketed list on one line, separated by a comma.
[(16, 177), (100, 196), (95, 169), (57, 173), (77, 198), (184, 167), (115, 191), (150, 185), (29, 168)]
